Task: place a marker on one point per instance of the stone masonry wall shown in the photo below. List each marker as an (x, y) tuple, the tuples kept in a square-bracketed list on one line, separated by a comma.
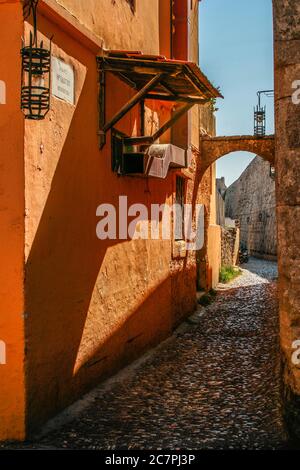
[(287, 75), (251, 199), (230, 243)]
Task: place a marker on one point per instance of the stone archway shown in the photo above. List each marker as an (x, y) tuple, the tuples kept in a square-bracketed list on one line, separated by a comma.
[(213, 148)]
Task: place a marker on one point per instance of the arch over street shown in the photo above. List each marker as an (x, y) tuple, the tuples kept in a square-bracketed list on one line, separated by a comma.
[(213, 148)]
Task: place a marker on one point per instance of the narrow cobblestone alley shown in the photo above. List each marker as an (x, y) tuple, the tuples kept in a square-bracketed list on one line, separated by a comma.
[(214, 385)]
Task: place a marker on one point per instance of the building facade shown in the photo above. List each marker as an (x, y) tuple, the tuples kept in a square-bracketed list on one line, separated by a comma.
[(74, 308)]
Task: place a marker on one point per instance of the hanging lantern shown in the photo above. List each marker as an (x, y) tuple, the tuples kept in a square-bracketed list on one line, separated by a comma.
[(36, 77), (260, 121)]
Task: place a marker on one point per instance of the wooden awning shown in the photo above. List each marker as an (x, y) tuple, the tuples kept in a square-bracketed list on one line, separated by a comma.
[(181, 80), (153, 78)]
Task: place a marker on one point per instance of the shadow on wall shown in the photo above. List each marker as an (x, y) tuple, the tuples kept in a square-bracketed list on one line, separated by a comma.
[(62, 271), (92, 306)]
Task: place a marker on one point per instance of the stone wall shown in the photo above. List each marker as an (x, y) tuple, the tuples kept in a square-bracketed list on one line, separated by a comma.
[(214, 148), (230, 243), (287, 72), (252, 200), (220, 209)]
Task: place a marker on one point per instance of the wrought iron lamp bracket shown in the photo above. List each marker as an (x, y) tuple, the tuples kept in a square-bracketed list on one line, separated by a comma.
[(36, 71)]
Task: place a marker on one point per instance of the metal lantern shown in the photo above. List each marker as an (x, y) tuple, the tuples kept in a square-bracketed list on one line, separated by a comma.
[(36, 77), (260, 121)]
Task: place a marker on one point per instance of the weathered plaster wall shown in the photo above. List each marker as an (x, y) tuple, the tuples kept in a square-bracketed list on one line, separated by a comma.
[(165, 28), (92, 306), (252, 200), (183, 263), (287, 71), (209, 258), (12, 313), (90, 303), (193, 56), (214, 255), (117, 25)]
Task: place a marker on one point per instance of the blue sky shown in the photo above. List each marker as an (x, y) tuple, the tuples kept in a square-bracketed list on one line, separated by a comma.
[(236, 53)]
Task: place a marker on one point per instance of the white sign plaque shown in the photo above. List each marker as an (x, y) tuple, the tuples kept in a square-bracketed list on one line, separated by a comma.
[(2, 92), (63, 80), (2, 353)]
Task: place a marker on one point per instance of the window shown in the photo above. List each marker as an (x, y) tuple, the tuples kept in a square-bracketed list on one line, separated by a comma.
[(180, 201)]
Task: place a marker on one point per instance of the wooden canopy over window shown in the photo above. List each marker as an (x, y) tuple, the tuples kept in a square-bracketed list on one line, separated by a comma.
[(154, 78)]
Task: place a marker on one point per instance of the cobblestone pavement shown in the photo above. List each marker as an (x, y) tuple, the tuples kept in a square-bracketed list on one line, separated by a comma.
[(214, 385), (255, 272)]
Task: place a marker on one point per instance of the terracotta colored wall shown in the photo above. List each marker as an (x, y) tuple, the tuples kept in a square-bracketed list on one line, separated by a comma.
[(92, 306), (165, 28), (12, 394), (214, 254), (214, 235), (117, 25), (213, 204)]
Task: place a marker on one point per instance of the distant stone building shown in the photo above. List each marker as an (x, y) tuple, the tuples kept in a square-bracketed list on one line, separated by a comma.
[(251, 200)]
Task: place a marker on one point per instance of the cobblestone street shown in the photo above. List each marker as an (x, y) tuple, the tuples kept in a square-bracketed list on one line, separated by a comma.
[(214, 385)]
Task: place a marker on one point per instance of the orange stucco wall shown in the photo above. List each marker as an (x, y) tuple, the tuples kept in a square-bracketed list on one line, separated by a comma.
[(114, 22), (12, 392), (165, 28), (91, 306), (214, 236), (214, 254)]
